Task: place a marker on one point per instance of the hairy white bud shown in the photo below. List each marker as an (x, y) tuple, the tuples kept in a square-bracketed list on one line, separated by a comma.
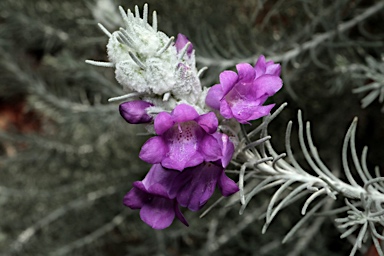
[(148, 62)]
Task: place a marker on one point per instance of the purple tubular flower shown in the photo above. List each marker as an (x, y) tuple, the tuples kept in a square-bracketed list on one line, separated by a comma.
[(181, 41), (242, 95), (160, 193), (157, 209), (195, 185), (134, 112), (185, 139)]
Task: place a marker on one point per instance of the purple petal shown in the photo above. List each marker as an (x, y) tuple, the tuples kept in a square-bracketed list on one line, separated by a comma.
[(227, 148), (241, 91), (226, 185), (135, 198), (183, 113), (267, 84), (208, 122), (194, 186), (225, 110), (260, 66), (215, 94), (261, 111), (211, 148), (158, 179), (244, 111), (159, 213), (154, 150), (181, 41), (179, 215), (246, 72), (228, 79), (196, 159), (174, 163), (273, 69), (134, 112), (163, 122)]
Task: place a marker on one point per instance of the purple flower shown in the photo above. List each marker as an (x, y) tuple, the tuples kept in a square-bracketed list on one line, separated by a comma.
[(195, 185), (157, 209), (134, 112), (160, 193), (242, 95), (185, 139), (181, 41)]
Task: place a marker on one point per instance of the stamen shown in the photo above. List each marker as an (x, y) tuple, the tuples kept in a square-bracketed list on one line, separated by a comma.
[(130, 14), (104, 30), (137, 12), (170, 41), (184, 50), (137, 61), (100, 63), (155, 110), (154, 21), (145, 13), (201, 71), (123, 39), (124, 15), (128, 36), (123, 97)]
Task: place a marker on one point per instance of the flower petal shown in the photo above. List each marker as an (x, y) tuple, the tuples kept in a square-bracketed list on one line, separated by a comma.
[(226, 185), (261, 111), (181, 41), (179, 215), (196, 159), (183, 113), (211, 148), (158, 180), (267, 84), (228, 80), (246, 73), (260, 66), (243, 110), (175, 163), (214, 95), (194, 186), (273, 69), (208, 122), (225, 110), (159, 213), (163, 122), (135, 198), (134, 112), (227, 148), (154, 150)]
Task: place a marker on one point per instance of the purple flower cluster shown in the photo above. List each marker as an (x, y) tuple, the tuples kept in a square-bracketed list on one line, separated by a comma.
[(242, 95), (189, 157), (188, 153)]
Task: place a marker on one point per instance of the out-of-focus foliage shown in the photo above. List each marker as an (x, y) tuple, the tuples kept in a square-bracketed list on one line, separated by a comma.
[(68, 158)]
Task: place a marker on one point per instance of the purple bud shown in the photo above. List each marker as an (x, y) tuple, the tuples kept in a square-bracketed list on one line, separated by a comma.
[(134, 112), (181, 41)]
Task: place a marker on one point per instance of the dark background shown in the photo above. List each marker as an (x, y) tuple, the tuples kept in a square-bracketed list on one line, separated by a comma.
[(67, 157)]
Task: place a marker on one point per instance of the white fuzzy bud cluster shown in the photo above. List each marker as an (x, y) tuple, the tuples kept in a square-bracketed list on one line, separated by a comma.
[(147, 63)]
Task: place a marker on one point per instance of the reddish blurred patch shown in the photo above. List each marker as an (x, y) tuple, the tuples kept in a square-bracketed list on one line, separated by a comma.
[(372, 251), (16, 117)]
